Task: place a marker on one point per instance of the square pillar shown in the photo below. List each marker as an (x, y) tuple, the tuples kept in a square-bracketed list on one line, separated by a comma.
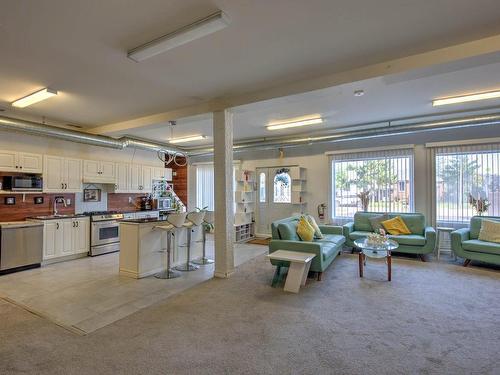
[(224, 194)]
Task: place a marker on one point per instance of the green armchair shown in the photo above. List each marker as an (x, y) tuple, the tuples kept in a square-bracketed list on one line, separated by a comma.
[(421, 241), (284, 237), (466, 244)]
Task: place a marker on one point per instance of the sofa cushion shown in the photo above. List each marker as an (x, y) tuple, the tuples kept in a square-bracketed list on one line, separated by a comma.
[(475, 225), (396, 226), (409, 239), (312, 222), (305, 230), (288, 231), (414, 221), (333, 238), (479, 246), (490, 231), (358, 234), (376, 222)]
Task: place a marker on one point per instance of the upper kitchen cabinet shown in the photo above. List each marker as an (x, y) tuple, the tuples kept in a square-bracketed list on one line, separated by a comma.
[(122, 184), (62, 174), (162, 174), (99, 171), (12, 161)]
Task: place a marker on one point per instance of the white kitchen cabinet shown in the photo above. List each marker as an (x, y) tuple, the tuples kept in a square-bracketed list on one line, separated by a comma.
[(12, 161), (147, 179), (162, 174), (99, 171), (135, 185), (122, 184), (62, 174), (65, 237)]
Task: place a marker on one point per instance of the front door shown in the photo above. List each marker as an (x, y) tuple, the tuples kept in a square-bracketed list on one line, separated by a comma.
[(274, 186)]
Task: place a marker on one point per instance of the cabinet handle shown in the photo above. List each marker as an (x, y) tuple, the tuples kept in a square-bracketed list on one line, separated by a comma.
[(77, 224), (57, 225), (21, 167), (62, 186), (65, 186), (74, 224), (17, 166)]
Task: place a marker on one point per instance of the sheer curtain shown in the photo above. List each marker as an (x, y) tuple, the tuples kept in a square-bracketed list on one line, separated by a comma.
[(205, 186), (387, 175), (461, 173)]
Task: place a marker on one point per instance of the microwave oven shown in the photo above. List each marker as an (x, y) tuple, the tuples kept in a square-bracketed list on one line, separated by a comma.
[(162, 203), (23, 183)]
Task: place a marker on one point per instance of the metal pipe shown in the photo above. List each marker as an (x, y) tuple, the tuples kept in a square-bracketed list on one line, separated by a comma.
[(23, 126), (349, 135)]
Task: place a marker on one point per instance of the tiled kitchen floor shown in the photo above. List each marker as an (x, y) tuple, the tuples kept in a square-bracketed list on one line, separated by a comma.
[(86, 294)]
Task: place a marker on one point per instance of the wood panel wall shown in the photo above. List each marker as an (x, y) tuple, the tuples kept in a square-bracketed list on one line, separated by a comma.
[(21, 210), (180, 180)]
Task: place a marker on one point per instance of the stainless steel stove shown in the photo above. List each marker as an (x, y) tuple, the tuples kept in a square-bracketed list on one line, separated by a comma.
[(104, 232)]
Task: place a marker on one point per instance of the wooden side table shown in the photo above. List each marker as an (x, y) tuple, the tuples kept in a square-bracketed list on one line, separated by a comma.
[(298, 270), (444, 231)]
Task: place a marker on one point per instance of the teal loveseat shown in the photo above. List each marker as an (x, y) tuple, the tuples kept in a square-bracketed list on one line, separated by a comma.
[(421, 241), (466, 244), (284, 237)]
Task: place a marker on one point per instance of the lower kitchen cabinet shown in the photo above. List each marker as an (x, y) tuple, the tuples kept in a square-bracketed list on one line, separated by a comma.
[(65, 237)]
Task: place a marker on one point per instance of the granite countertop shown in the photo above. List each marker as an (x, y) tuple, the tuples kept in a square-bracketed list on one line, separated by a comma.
[(19, 224), (143, 221), (53, 217)]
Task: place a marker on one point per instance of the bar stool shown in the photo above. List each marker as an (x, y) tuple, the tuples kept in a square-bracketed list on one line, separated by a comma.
[(207, 223), (175, 222), (195, 219), (167, 273)]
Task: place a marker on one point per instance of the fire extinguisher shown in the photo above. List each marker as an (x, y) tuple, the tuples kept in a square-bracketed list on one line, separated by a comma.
[(321, 212)]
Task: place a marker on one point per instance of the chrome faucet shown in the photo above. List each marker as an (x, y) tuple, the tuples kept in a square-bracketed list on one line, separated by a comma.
[(58, 200)]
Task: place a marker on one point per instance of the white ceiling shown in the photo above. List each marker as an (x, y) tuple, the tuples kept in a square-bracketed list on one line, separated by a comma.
[(79, 48), (386, 98)]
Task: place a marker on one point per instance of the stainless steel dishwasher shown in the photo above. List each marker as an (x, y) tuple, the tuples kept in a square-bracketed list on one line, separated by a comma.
[(21, 245)]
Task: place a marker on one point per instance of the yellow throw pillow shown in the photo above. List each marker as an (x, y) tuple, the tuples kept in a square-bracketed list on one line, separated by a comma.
[(305, 230), (396, 226), (312, 222), (490, 231)]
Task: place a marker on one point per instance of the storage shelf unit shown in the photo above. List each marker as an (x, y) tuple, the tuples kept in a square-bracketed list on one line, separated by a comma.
[(244, 198)]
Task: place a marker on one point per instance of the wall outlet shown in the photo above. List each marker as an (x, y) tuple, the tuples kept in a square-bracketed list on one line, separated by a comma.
[(68, 201), (130, 200)]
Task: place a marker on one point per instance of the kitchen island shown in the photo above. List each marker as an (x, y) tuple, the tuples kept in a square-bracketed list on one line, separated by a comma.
[(141, 247)]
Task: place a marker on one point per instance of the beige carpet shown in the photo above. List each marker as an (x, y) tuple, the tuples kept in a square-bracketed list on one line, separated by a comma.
[(432, 319)]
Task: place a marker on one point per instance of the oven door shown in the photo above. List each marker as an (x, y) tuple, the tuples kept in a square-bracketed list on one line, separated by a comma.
[(105, 232)]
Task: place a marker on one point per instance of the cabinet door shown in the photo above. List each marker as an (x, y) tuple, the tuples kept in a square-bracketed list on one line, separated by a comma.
[(107, 170), (66, 233), (8, 161), (30, 163), (147, 179), (80, 235), (50, 240), (122, 177), (53, 175), (73, 175), (91, 169), (135, 178)]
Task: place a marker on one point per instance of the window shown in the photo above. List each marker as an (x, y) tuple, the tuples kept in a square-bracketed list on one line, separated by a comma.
[(282, 188), (262, 188), (463, 175), (372, 181), (205, 186)]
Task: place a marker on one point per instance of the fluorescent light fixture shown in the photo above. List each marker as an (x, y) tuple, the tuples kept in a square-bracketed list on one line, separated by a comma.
[(187, 139), (34, 98), (186, 34), (294, 124), (466, 98)]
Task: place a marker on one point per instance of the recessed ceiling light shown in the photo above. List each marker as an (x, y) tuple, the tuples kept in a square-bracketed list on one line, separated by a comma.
[(187, 139), (186, 34), (34, 98), (294, 124), (466, 98), (359, 93)]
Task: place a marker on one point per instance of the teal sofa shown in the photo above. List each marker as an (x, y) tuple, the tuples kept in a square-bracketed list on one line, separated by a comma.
[(465, 243), (284, 237), (421, 241)]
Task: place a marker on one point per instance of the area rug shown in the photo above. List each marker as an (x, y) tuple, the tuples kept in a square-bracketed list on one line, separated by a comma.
[(260, 241)]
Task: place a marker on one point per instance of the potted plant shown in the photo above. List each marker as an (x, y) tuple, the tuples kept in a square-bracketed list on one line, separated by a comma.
[(480, 205), (364, 197)]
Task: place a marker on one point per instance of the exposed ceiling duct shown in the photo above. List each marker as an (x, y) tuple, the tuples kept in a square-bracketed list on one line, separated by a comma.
[(349, 134), (11, 124)]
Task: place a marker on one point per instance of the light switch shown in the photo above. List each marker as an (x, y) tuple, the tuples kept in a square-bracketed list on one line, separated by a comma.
[(68, 201)]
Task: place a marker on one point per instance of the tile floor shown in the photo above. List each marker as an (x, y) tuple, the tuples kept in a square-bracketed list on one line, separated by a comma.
[(86, 294)]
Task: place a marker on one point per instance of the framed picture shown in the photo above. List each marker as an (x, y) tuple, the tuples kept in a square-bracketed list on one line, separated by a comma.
[(91, 195)]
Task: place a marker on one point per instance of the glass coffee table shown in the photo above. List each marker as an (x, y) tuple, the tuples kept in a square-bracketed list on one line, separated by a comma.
[(377, 252)]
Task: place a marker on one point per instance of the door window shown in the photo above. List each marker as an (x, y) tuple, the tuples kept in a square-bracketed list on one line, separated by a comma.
[(262, 187), (282, 188)]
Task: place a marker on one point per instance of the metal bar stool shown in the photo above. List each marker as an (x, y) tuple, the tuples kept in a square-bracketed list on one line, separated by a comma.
[(194, 220), (207, 223), (167, 273)]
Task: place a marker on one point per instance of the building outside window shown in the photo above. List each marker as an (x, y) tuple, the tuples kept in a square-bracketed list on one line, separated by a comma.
[(282, 188), (372, 181)]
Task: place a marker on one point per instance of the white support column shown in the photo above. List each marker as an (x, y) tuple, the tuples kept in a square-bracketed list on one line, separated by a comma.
[(224, 194)]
